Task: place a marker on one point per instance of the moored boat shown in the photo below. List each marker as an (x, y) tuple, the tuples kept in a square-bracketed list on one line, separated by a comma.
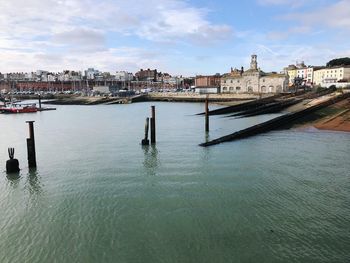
[(18, 108)]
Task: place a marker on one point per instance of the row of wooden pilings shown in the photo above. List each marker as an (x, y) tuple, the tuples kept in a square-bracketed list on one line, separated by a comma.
[(152, 120), (12, 165)]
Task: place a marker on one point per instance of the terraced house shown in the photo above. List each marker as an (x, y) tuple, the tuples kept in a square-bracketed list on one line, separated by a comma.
[(253, 80)]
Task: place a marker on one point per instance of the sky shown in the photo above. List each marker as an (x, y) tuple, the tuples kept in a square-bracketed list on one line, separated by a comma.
[(181, 37)]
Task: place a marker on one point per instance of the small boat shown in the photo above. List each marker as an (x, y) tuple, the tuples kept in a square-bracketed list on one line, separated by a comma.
[(18, 108)]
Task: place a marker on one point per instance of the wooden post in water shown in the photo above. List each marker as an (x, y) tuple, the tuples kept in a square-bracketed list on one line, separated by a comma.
[(31, 146), (207, 113), (12, 165), (145, 141), (153, 125), (39, 101)]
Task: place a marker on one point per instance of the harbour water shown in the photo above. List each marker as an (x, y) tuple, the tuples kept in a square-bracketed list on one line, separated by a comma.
[(99, 196)]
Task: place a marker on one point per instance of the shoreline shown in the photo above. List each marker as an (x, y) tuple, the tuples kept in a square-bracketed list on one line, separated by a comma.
[(335, 117)]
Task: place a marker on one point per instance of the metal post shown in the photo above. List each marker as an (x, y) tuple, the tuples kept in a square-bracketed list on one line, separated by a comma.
[(153, 125), (31, 146), (207, 113)]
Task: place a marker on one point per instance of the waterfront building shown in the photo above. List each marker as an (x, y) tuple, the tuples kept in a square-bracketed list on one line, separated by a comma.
[(91, 73), (124, 76), (208, 81), (291, 71), (146, 75), (207, 90), (326, 77), (101, 90), (253, 80)]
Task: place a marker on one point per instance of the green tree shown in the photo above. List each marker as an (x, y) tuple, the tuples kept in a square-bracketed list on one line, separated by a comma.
[(339, 62)]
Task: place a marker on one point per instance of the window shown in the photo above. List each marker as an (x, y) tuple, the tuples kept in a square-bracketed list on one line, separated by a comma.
[(238, 88), (238, 81), (224, 88), (231, 81), (224, 81)]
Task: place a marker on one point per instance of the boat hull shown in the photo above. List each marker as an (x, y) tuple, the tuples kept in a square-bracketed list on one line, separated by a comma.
[(18, 110)]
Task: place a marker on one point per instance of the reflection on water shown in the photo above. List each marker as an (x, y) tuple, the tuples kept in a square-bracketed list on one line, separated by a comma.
[(33, 183), (151, 162), (207, 137), (13, 179)]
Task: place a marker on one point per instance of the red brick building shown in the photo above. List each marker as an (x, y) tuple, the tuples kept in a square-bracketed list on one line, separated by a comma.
[(208, 81)]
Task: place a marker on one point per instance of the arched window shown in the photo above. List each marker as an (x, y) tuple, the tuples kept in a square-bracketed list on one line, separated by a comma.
[(271, 89), (250, 89), (231, 89), (224, 89), (263, 89), (279, 89), (238, 88)]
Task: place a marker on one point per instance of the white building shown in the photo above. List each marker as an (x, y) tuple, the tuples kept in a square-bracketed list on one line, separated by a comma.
[(91, 73), (332, 76), (124, 76), (101, 89), (207, 90), (253, 80)]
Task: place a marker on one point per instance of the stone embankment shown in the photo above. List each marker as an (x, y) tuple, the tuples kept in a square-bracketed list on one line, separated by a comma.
[(230, 99), (195, 97)]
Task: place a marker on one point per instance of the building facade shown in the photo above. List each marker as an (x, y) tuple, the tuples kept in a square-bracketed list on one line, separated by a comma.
[(208, 81), (146, 75), (330, 76), (253, 80)]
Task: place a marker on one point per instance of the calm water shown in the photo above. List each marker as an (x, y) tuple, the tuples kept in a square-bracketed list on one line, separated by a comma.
[(98, 196)]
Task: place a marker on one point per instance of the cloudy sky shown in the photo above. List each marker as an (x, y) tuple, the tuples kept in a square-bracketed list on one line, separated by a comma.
[(177, 36)]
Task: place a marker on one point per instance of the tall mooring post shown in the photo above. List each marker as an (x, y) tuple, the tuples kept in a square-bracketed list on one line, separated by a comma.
[(31, 146), (12, 165), (153, 125), (145, 141), (207, 113), (39, 101)]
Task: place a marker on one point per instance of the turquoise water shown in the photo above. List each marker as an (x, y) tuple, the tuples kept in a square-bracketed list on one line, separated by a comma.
[(99, 196)]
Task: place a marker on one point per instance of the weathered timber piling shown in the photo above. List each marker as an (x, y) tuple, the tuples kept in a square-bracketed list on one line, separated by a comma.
[(39, 101), (207, 113), (12, 165), (275, 123), (243, 106), (145, 141), (31, 146), (153, 125)]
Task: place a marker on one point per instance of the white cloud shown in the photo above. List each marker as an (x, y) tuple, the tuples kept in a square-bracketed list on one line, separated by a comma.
[(296, 30), (107, 60), (42, 30), (276, 57), (336, 15), (292, 3)]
